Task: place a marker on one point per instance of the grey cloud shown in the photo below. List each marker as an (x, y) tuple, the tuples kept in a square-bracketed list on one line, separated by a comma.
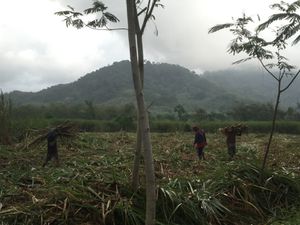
[(182, 39)]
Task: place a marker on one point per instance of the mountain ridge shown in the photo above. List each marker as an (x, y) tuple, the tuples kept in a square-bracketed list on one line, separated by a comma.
[(166, 85)]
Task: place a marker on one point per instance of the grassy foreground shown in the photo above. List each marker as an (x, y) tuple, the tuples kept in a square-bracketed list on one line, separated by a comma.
[(92, 183)]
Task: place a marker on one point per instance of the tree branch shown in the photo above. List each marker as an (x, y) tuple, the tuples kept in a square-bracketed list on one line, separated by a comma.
[(282, 90), (148, 15), (143, 10), (106, 29), (264, 66), (137, 24)]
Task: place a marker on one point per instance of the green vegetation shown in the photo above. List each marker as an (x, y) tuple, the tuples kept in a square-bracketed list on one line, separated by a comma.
[(166, 86), (92, 185), (20, 127), (269, 52)]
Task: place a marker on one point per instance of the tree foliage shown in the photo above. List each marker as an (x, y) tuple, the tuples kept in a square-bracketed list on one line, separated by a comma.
[(74, 18), (268, 53), (181, 112), (288, 14), (254, 111)]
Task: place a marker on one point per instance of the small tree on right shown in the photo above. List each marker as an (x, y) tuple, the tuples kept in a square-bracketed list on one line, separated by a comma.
[(269, 54)]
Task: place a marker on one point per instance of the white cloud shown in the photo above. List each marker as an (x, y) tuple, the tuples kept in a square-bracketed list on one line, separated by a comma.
[(37, 50)]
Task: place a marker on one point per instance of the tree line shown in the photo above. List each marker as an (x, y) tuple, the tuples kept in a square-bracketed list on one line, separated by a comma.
[(127, 113)]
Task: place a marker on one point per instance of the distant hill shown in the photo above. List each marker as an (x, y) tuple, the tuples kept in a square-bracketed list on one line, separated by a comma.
[(166, 86), (254, 85)]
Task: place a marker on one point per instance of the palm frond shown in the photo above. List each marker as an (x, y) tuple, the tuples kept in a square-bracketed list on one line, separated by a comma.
[(281, 57), (78, 23), (277, 6), (97, 7), (70, 7), (285, 66), (68, 20), (220, 27), (272, 19), (293, 7), (262, 53), (98, 23), (287, 31), (260, 41), (234, 47), (102, 21), (297, 39), (111, 17), (244, 20), (242, 60), (63, 13)]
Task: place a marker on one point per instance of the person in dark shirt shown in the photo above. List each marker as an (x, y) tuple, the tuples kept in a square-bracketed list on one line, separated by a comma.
[(231, 132), (231, 141), (52, 147), (199, 142)]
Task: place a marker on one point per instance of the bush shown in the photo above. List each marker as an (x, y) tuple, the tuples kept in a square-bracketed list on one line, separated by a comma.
[(169, 126)]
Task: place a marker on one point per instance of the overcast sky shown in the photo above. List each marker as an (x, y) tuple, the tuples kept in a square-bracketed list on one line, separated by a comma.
[(38, 51)]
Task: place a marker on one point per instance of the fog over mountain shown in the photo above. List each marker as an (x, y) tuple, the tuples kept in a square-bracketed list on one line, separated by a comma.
[(166, 85)]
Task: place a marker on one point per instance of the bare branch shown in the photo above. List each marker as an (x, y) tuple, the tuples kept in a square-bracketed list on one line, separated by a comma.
[(266, 68), (148, 14), (289, 84), (142, 11)]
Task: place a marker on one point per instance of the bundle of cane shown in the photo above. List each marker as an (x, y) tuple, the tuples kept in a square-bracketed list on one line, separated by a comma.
[(238, 129), (65, 130)]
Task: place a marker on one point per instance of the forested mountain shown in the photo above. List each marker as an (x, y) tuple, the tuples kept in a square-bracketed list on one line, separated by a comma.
[(166, 86), (255, 85)]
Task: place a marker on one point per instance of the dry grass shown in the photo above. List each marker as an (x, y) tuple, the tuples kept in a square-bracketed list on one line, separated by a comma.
[(94, 176)]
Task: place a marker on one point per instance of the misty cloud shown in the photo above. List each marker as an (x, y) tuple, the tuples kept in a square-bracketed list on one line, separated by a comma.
[(37, 50)]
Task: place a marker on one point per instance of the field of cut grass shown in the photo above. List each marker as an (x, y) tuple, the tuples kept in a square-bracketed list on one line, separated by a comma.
[(92, 183)]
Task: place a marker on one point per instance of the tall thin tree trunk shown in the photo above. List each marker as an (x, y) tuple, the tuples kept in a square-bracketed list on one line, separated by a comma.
[(146, 138), (138, 155), (267, 150)]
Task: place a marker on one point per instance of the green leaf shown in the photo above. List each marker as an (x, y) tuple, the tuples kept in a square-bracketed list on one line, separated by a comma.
[(98, 7), (220, 27), (78, 23), (293, 7), (242, 60), (297, 39), (70, 7), (111, 17), (272, 19), (63, 13), (277, 6)]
